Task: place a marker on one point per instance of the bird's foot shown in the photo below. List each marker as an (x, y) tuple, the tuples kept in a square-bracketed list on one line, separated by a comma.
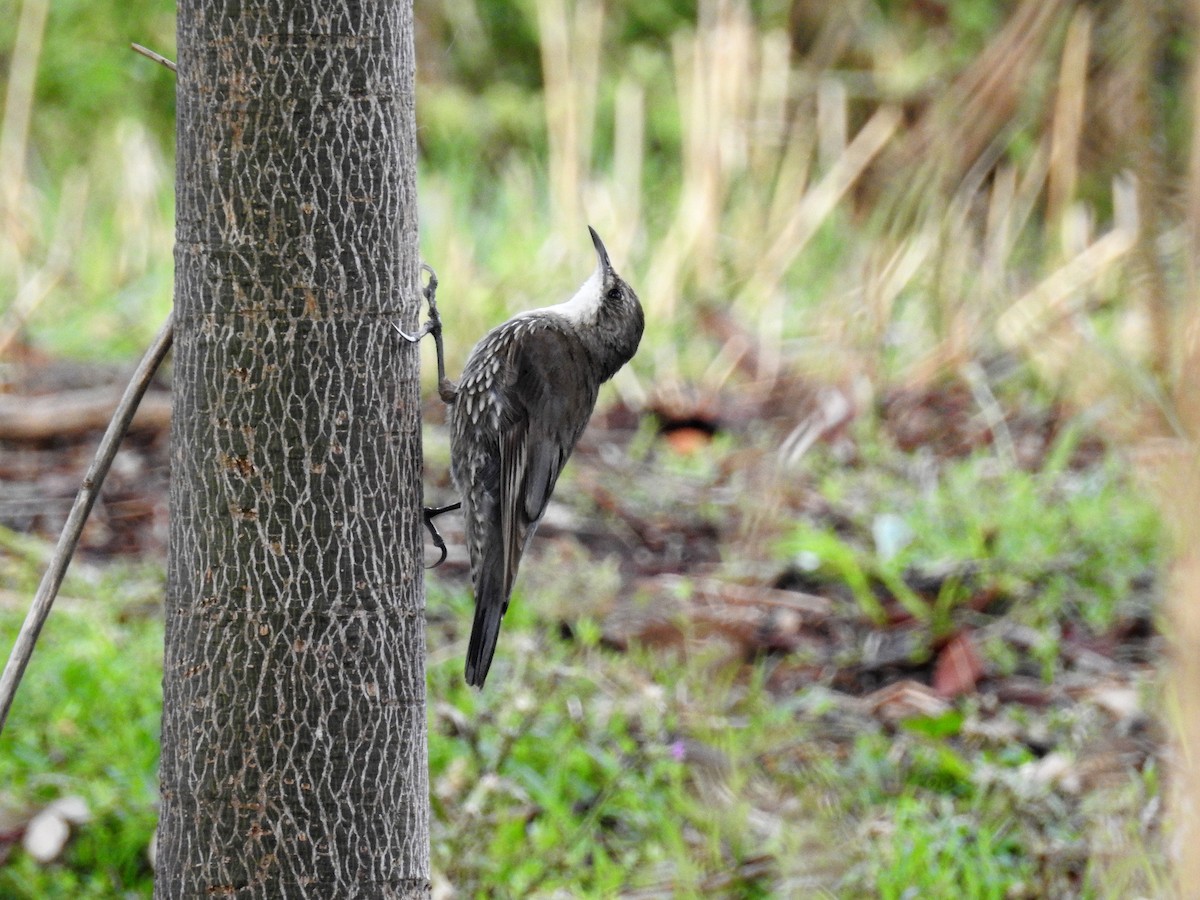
[(413, 338), (433, 324), (447, 389), (429, 514)]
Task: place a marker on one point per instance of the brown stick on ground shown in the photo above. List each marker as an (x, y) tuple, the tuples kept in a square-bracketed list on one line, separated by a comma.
[(72, 413)]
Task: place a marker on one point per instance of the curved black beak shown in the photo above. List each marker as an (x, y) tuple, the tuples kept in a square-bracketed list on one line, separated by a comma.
[(601, 252)]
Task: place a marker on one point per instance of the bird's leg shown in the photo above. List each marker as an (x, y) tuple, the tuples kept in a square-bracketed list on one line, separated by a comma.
[(431, 513), (447, 389)]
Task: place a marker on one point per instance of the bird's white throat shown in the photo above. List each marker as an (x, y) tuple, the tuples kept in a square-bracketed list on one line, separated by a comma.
[(584, 306)]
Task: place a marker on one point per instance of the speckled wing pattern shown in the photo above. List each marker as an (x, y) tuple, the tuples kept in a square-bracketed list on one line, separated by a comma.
[(525, 394)]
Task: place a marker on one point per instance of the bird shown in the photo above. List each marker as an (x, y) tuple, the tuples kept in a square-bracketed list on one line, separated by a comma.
[(525, 396)]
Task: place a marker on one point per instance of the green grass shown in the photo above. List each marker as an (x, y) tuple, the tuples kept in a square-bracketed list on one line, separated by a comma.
[(86, 723), (1049, 540), (590, 772), (937, 852)]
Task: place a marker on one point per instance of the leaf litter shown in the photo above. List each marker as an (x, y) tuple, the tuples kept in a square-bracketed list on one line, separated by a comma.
[(674, 531)]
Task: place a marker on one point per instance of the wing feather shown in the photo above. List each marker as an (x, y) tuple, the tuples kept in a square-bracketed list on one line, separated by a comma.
[(548, 407), (513, 466), (525, 398)]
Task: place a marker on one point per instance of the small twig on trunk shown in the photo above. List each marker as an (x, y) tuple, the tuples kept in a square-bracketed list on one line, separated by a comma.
[(150, 54), (39, 610)]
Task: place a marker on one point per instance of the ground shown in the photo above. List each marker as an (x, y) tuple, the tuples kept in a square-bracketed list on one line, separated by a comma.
[(776, 639)]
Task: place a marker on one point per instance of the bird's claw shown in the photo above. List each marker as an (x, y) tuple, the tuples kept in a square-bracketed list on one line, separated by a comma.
[(413, 338), (446, 389), (437, 542), (429, 513), (430, 289), (433, 325)]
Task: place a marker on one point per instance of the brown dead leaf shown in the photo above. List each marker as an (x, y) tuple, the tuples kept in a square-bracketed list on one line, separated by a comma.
[(958, 667), (905, 700), (686, 441)]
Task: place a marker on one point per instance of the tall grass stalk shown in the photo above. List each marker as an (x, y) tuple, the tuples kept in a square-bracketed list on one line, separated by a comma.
[(570, 47), (1069, 109), (18, 107), (1179, 479)]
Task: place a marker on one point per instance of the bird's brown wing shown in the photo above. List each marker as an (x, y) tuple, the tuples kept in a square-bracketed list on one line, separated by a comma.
[(546, 410), (542, 397)]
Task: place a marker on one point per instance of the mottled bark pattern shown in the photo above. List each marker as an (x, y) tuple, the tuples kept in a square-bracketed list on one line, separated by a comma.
[(294, 760)]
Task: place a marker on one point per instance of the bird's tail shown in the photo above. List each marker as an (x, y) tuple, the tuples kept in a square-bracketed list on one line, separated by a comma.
[(490, 603)]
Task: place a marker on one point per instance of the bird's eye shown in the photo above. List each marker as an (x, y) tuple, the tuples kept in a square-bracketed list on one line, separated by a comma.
[(614, 294)]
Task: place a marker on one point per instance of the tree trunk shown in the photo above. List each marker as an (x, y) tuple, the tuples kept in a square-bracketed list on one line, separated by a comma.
[(294, 746)]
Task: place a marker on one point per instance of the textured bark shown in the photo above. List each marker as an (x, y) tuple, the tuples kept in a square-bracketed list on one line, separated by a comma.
[(294, 748)]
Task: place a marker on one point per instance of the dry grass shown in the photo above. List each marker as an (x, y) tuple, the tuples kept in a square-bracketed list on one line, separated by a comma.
[(91, 248), (960, 249), (949, 247)]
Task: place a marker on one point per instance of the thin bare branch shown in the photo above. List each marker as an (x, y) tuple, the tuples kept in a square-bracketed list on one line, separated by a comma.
[(39, 610), (43, 600), (150, 54)]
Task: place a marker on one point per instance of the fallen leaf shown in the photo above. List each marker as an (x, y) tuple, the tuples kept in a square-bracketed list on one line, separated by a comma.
[(71, 808), (1052, 770), (958, 667), (1118, 700), (686, 441), (905, 700)]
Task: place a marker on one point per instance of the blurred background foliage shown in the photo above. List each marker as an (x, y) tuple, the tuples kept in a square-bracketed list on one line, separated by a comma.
[(991, 200), (869, 186)]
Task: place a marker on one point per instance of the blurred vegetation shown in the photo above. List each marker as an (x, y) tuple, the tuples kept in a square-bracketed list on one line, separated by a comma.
[(711, 144), (660, 771), (874, 193)]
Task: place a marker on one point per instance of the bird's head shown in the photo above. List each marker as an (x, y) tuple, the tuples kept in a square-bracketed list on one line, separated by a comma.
[(617, 315), (615, 296), (604, 296), (604, 311)]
